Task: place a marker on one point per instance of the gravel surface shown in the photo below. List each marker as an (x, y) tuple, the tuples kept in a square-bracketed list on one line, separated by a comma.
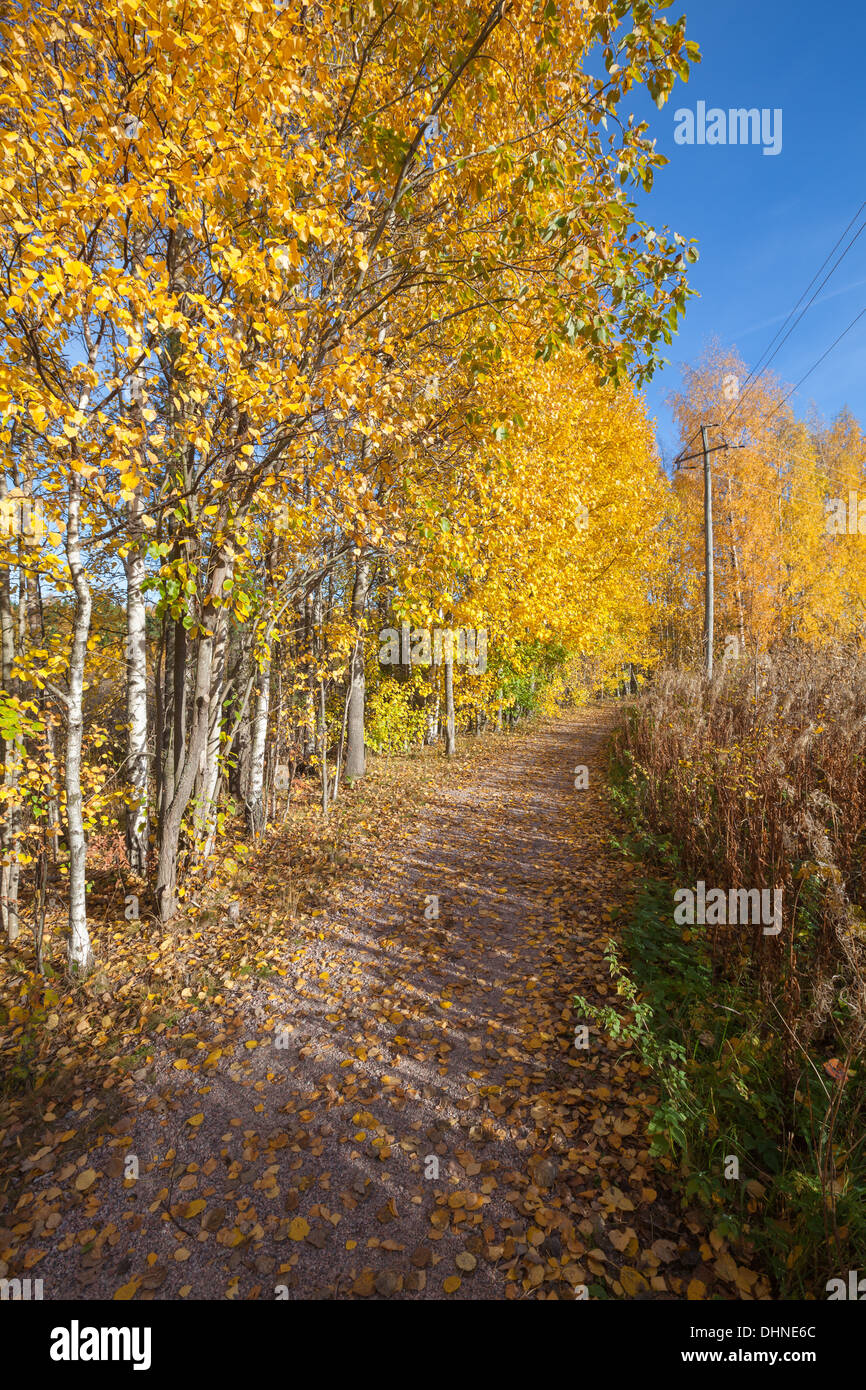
[(405, 1115)]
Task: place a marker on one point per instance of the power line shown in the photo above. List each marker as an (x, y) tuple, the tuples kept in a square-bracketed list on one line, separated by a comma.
[(814, 366), (816, 461), (751, 484), (758, 371), (755, 372), (765, 420)]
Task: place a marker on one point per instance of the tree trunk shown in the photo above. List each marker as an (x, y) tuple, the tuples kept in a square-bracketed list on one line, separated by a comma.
[(324, 724), (164, 686), (36, 625), (342, 744), (356, 763), (80, 955), (173, 708), (450, 741), (170, 826), (238, 713), (10, 815), (432, 703), (310, 717), (209, 780), (319, 629), (137, 814), (255, 802)]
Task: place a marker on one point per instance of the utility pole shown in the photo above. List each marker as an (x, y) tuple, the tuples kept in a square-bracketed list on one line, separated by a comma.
[(708, 554), (680, 462)]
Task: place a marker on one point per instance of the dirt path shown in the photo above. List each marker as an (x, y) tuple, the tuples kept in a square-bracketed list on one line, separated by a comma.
[(406, 1113)]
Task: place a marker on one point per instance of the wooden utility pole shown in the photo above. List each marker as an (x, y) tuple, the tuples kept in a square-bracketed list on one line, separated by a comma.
[(708, 539), (708, 554)]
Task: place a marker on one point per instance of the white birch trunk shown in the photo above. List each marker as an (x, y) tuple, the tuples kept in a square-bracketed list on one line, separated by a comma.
[(80, 954), (255, 803), (209, 775), (355, 757), (137, 815), (450, 740)]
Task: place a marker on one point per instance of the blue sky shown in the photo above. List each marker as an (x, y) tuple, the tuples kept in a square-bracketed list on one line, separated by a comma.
[(764, 223)]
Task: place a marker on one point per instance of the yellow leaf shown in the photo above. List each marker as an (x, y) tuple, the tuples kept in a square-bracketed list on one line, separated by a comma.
[(632, 1281), (126, 1291)]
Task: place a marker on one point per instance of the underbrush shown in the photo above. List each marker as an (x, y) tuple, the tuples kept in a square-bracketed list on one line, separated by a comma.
[(755, 1038)]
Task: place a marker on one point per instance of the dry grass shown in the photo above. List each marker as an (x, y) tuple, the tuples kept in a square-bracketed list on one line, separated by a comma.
[(758, 780), (761, 783)]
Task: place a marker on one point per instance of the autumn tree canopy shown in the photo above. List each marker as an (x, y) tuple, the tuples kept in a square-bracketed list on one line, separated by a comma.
[(289, 297)]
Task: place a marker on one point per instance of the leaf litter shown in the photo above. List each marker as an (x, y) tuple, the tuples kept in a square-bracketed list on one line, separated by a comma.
[(327, 1094)]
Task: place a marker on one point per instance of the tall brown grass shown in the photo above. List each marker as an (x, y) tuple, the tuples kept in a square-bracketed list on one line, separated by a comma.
[(762, 781), (757, 779)]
